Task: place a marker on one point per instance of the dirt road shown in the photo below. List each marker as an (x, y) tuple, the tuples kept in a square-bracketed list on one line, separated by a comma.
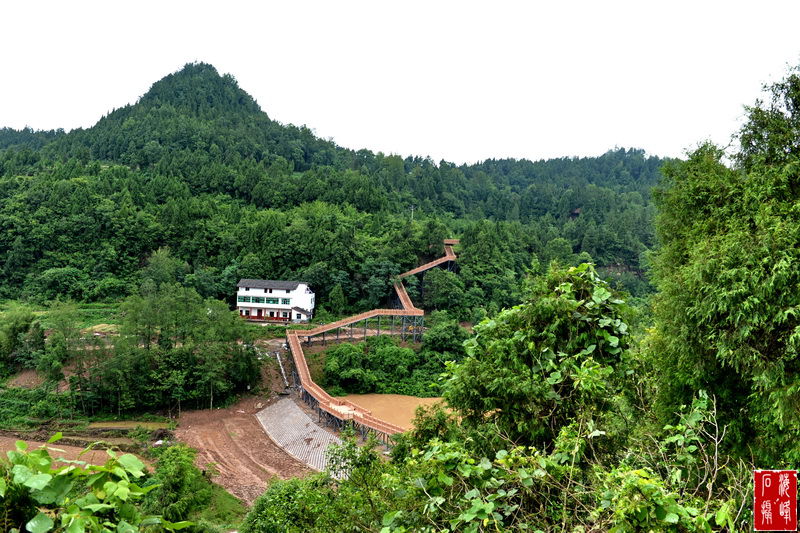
[(58, 450), (234, 441)]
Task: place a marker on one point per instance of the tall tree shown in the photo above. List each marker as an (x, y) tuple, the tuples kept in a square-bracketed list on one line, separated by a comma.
[(537, 367), (728, 272)]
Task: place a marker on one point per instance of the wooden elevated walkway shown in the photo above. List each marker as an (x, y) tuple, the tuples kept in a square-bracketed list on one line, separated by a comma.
[(337, 410), (449, 255)]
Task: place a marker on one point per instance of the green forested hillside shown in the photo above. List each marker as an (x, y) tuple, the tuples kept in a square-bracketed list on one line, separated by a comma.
[(196, 166), (563, 413), (567, 415)]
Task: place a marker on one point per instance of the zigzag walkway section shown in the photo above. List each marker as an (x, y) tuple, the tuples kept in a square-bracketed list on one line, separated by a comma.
[(294, 431), (336, 411)]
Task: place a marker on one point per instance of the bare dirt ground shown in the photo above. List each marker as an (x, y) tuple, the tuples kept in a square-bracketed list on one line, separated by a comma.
[(234, 441), (30, 379), (58, 450), (27, 379)]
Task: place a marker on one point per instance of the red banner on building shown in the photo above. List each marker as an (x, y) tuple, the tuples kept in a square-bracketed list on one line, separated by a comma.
[(775, 503)]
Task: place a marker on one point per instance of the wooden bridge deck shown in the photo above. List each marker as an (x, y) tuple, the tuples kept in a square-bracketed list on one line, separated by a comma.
[(342, 409)]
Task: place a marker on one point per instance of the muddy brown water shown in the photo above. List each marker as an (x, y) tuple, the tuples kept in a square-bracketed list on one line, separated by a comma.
[(395, 408)]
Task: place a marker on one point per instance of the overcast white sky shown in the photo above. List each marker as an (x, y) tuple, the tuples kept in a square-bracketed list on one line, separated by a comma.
[(460, 80)]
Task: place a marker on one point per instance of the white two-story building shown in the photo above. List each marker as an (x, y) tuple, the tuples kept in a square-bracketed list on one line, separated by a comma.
[(282, 301)]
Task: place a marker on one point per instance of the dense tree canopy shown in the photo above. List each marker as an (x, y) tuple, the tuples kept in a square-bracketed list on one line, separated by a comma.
[(536, 366), (728, 272), (197, 167), (541, 437), (563, 413)]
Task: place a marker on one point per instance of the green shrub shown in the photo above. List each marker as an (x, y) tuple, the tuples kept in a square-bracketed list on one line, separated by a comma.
[(180, 489)]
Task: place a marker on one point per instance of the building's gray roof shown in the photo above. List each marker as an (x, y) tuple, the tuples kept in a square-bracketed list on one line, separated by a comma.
[(269, 284), (300, 310)]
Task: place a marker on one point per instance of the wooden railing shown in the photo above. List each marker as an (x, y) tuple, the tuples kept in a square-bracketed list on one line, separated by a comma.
[(338, 408)]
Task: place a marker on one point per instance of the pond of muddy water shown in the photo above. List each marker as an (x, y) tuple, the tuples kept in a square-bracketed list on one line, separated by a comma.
[(395, 408)]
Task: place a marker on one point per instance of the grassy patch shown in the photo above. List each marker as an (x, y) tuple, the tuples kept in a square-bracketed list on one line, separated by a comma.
[(268, 331), (224, 510), (316, 367), (90, 314), (94, 314), (28, 408)]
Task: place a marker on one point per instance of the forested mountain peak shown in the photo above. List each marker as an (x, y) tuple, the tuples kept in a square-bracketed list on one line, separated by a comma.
[(189, 119), (200, 90), (195, 165)]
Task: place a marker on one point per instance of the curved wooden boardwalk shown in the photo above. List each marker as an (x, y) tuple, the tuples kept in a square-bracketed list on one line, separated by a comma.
[(338, 410)]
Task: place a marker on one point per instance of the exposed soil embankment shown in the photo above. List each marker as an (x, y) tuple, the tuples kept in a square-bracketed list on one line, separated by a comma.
[(233, 440)]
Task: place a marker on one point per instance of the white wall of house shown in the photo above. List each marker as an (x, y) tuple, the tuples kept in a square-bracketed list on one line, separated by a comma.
[(278, 301)]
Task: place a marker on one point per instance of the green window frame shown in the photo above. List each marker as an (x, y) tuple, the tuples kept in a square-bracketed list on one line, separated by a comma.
[(258, 299), (285, 301), (272, 300), (244, 299)]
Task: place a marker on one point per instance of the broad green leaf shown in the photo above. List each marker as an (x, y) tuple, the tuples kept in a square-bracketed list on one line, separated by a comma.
[(721, 517), (124, 527), (41, 523), (38, 481), (55, 491), (55, 438), (122, 493), (389, 517), (175, 526), (671, 518), (600, 294), (77, 525), (94, 478), (21, 474), (2, 488), (554, 378), (132, 464), (94, 507)]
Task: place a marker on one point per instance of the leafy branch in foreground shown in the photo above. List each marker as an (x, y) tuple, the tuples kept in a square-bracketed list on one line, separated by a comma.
[(39, 494)]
